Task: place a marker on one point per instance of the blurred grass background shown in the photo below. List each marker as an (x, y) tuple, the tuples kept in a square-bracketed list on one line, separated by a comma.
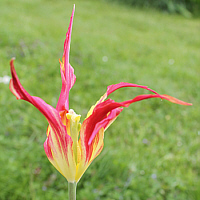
[(186, 8), (152, 151)]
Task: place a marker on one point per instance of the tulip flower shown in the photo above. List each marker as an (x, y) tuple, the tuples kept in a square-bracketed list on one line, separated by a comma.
[(71, 146)]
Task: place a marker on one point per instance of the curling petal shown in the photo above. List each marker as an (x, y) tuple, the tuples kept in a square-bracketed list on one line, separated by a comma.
[(114, 87), (51, 114), (98, 114), (58, 143)]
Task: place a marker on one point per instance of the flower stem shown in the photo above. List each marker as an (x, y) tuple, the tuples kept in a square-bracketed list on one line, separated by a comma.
[(72, 190)]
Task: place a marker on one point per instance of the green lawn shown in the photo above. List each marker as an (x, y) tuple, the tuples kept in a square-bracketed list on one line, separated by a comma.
[(152, 151)]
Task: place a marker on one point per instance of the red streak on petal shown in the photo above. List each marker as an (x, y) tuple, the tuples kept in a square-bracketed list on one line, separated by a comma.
[(100, 117), (62, 139), (67, 71)]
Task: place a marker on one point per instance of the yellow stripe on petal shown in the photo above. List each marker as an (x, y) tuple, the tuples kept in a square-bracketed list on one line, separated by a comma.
[(78, 154), (97, 144), (102, 98), (63, 158), (48, 130), (96, 147), (62, 64), (92, 108)]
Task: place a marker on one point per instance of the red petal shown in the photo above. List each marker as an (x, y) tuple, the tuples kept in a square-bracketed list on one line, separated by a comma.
[(58, 143), (50, 113), (105, 122), (101, 116), (112, 88), (67, 71)]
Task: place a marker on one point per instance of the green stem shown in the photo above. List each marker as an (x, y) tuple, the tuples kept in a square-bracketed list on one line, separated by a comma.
[(72, 190)]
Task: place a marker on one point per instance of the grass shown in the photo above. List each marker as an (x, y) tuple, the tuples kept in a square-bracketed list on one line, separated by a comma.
[(152, 150)]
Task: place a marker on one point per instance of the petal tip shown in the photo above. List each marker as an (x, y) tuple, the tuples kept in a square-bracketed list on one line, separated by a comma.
[(175, 100), (12, 60)]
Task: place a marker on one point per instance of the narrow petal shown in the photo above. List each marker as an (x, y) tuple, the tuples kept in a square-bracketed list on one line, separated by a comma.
[(104, 112), (51, 114), (100, 117), (67, 71), (58, 143), (112, 88), (102, 109), (174, 100)]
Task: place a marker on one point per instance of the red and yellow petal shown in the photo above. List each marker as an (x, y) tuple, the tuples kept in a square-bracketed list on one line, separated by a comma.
[(67, 71), (50, 113), (104, 112), (87, 156), (58, 143), (60, 154)]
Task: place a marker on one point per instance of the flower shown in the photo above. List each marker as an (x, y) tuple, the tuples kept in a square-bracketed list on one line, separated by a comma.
[(71, 146)]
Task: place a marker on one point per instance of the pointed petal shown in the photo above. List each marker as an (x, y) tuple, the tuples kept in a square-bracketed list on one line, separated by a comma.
[(174, 100), (112, 88), (67, 71), (51, 114), (67, 45), (101, 113), (101, 116), (58, 143)]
